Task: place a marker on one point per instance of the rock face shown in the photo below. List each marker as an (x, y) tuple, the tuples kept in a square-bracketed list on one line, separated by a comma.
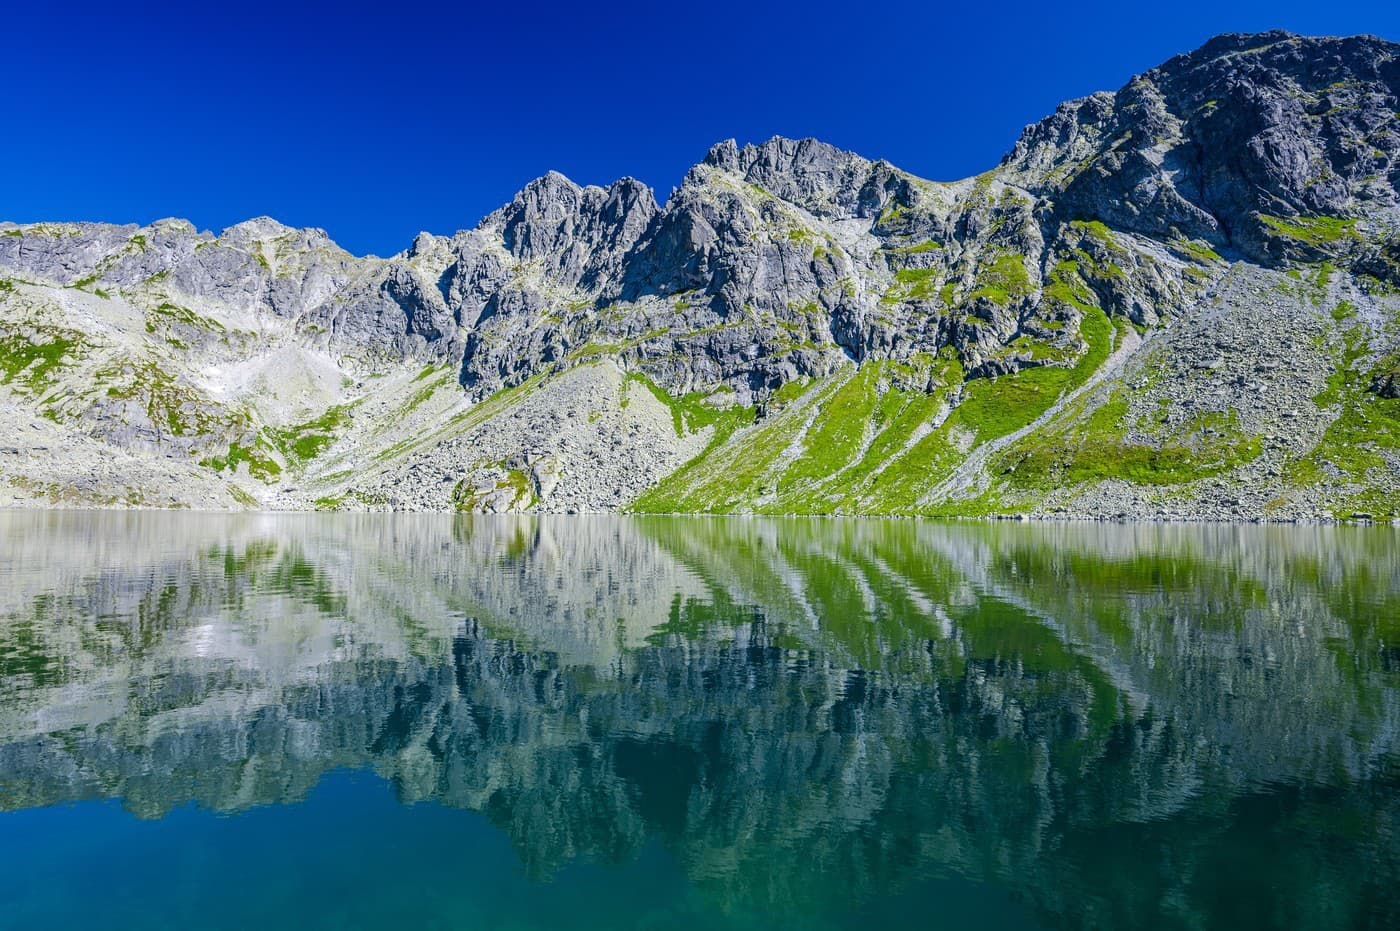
[(774, 271), (1225, 142)]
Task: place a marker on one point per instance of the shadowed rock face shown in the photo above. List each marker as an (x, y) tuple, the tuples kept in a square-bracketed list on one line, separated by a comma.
[(805, 713), (1247, 125)]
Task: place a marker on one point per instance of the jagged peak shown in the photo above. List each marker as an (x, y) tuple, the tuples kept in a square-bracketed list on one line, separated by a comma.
[(256, 228), (1228, 42), (556, 187), (1238, 43), (172, 225), (556, 219), (1304, 59), (630, 185), (723, 154), (777, 152), (550, 181), (1230, 58), (423, 243), (553, 195), (815, 175)]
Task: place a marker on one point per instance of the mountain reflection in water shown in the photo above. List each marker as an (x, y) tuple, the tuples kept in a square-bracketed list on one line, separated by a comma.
[(1113, 725)]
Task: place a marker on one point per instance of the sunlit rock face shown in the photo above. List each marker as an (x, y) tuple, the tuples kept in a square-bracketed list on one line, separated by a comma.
[(801, 711)]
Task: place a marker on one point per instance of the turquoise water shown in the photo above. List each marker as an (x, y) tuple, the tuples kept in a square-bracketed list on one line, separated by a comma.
[(383, 721)]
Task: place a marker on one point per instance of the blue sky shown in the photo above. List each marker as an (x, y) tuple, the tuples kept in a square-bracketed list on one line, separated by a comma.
[(376, 121)]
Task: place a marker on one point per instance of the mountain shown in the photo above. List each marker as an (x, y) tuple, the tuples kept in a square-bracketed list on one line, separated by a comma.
[(1181, 300)]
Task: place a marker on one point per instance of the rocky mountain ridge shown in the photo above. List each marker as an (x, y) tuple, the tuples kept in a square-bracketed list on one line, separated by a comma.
[(796, 328)]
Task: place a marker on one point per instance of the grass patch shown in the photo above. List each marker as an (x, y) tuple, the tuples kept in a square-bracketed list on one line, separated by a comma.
[(1314, 231), (89, 283), (913, 284), (1196, 250), (1066, 286), (994, 407), (242, 497), (732, 469), (1353, 449), (870, 441), (167, 314), (1096, 230), (1097, 450), (167, 402), (259, 465), (1005, 280), (516, 481), (308, 440), (690, 413), (838, 433), (33, 364), (928, 245)]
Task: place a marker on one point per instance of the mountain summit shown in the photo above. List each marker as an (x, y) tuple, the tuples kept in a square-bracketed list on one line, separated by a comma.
[(1177, 300)]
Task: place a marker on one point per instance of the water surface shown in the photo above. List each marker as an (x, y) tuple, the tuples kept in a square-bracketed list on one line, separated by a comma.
[(373, 721)]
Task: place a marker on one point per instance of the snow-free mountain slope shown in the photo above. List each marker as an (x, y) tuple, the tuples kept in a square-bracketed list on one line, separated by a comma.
[(1179, 299)]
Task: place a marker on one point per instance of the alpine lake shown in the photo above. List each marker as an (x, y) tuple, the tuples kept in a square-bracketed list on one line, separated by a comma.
[(274, 721)]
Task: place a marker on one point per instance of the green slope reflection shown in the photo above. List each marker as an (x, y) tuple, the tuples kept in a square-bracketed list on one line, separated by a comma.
[(812, 723)]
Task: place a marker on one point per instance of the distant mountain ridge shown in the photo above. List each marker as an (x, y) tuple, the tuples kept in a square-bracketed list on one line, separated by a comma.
[(800, 328)]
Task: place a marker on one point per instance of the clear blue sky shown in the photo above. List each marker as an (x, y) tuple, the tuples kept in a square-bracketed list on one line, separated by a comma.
[(377, 120)]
